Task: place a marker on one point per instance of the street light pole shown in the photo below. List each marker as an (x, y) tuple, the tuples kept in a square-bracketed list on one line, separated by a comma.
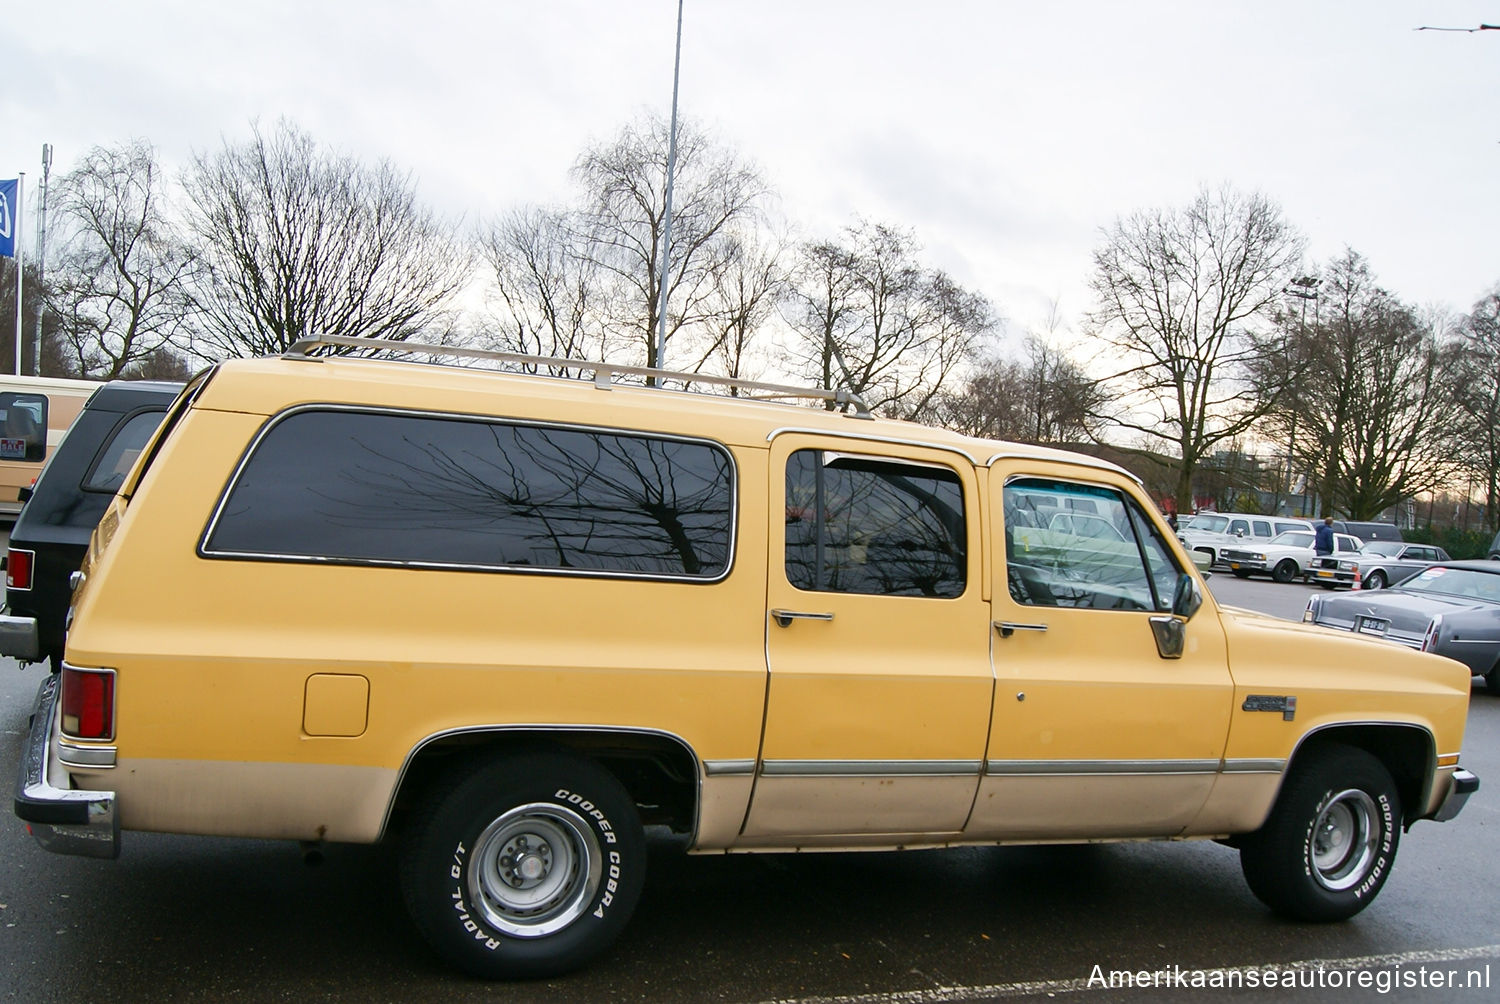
[(1304, 288), (666, 237)]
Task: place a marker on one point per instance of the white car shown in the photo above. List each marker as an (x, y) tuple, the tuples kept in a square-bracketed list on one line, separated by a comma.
[(1210, 533), (1286, 557)]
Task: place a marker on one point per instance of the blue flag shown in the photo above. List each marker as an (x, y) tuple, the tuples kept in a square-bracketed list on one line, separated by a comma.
[(10, 217)]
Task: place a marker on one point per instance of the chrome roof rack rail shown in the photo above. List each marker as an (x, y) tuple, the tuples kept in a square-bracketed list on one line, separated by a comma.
[(604, 373)]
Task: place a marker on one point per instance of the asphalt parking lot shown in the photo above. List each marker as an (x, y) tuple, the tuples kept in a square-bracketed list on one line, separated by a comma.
[(186, 918)]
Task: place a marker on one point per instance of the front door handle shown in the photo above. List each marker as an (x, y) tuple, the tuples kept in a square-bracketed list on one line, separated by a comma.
[(785, 617), (1008, 628)]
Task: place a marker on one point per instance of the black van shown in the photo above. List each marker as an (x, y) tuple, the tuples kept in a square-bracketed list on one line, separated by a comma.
[(1368, 532), (61, 510)]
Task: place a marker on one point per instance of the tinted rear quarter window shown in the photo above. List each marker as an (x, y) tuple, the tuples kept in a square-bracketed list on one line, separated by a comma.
[(361, 486), (120, 454)]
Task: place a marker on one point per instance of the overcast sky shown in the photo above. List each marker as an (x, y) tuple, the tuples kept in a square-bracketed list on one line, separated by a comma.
[(1004, 133)]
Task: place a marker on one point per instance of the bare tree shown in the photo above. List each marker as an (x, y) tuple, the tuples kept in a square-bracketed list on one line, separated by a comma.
[(116, 289), (1043, 398), (1473, 385), (1177, 291), (1370, 393), (748, 287), (547, 290), (624, 212), (871, 318), (292, 240)]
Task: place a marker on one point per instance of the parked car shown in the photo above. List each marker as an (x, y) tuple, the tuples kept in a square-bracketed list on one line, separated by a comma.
[(508, 620), (1451, 609), (1377, 565), (51, 534), (1495, 548), (1211, 533), (35, 413), (1286, 557)]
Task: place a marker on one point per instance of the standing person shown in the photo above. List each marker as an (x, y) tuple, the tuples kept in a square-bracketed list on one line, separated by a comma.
[(1172, 520), (1323, 537)]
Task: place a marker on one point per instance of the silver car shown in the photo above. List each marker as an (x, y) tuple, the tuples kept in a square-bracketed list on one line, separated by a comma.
[(1378, 564), (1452, 609)]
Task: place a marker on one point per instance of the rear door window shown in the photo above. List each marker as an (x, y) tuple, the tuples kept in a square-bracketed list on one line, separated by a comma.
[(860, 524)]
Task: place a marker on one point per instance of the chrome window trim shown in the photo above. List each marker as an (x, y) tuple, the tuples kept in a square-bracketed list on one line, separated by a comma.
[(1080, 460), (869, 438), (1097, 768), (204, 551), (869, 768)]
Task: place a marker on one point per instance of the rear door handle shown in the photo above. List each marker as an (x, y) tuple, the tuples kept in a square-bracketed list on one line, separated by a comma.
[(1008, 628), (785, 617)]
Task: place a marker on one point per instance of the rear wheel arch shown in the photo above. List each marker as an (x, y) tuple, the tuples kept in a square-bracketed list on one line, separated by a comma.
[(659, 770)]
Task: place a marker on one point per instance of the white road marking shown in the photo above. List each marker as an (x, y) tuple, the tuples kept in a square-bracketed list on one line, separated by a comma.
[(994, 991)]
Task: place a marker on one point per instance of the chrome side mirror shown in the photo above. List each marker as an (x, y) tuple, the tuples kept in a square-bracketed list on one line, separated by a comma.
[(1170, 630), (1187, 597)]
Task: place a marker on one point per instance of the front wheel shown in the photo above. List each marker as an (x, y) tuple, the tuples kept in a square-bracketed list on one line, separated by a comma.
[(1492, 679), (524, 866), (1285, 571), (1375, 580), (1331, 839)]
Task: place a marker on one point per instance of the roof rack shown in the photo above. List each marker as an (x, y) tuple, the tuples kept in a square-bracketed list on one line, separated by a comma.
[(605, 374)]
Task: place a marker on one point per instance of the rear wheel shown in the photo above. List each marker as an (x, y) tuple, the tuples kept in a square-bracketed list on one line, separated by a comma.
[(1375, 580), (1285, 571), (524, 866), (1331, 839)]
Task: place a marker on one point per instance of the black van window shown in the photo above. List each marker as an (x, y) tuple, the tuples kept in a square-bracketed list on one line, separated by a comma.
[(23, 426), (867, 525), (121, 452), (358, 486)]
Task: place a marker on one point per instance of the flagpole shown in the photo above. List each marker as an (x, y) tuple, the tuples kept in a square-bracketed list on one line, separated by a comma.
[(20, 259), (41, 258)]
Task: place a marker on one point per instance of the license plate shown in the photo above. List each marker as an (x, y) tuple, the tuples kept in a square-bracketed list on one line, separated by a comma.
[(1325, 575), (1234, 564), (1371, 625)]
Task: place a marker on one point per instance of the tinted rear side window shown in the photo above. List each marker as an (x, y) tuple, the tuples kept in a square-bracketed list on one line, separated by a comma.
[(357, 486), (121, 453)]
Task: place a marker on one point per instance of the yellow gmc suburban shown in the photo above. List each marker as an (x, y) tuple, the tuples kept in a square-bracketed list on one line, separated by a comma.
[(507, 620)]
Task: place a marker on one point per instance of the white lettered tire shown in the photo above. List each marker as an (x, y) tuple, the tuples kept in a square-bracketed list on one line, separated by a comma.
[(1330, 841), (525, 865)]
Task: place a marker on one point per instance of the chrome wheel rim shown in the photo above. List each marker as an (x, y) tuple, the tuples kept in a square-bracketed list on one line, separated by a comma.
[(1344, 838), (534, 870)]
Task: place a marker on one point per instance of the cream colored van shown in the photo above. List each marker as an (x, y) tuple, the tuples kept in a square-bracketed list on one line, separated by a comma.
[(35, 413), (506, 621)]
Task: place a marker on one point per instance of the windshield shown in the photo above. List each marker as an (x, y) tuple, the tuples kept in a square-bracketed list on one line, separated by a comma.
[(1457, 582), (1296, 538), (1213, 524), (1388, 548)]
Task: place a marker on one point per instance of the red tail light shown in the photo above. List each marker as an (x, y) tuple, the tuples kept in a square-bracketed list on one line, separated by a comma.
[(18, 568), (88, 703)]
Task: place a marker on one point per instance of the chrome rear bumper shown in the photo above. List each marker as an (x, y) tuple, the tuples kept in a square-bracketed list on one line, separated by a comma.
[(64, 820)]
